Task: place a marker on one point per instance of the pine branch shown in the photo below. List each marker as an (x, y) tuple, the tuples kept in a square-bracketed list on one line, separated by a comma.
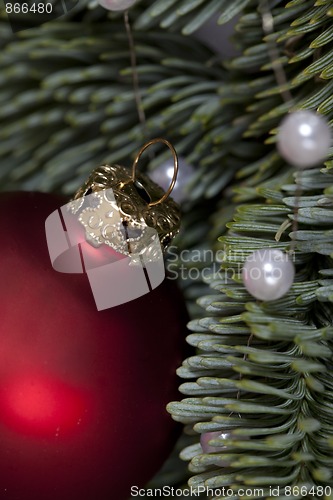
[(263, 370), (75, 106), (188, 16)]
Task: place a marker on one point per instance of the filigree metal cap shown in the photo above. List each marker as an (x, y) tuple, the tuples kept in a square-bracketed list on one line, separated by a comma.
[(128, 219)]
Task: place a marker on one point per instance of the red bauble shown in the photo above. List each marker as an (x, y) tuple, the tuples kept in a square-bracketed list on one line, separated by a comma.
[(82, 392)]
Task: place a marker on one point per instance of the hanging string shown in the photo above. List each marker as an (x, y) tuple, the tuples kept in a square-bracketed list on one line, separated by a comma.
[(282, 81), (273, 51), (135, 76)]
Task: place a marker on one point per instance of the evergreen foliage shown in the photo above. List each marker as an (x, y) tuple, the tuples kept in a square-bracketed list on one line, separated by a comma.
[(261, 370)]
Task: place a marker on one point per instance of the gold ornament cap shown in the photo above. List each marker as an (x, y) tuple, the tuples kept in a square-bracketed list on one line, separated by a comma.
[(140, 204)]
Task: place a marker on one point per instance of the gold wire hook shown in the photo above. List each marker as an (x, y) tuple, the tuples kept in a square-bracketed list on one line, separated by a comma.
[(175, 173)]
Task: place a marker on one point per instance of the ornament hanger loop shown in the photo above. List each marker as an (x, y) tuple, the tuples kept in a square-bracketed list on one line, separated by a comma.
[(175, 160)]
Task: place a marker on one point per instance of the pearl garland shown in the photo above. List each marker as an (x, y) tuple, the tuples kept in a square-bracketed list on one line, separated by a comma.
[(208, 436), (304, 138), (116, 4), (163, 174), (268, 274)]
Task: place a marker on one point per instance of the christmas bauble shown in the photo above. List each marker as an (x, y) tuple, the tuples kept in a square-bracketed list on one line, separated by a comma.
[(82, 392), (268, 274), (304, 138)]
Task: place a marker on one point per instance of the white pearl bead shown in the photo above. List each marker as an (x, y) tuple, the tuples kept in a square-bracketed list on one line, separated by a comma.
[(304, 138), (268, 274), (116, 4), (207, 448), (207, 436), (163, 175)]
